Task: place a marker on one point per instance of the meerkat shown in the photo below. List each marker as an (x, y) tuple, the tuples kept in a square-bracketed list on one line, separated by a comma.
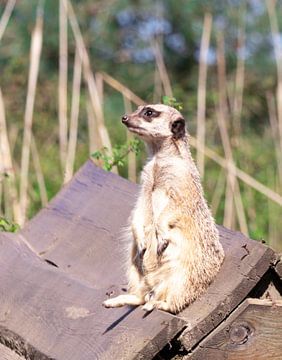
[(175, 253)]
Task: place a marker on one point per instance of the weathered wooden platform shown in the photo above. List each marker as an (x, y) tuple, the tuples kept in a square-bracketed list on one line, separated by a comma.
[(56, 272)]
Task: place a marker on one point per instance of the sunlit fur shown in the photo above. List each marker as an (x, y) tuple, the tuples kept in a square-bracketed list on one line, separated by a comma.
[(170, 214)]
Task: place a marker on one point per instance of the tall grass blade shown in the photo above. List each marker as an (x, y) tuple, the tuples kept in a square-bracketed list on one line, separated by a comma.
[(35, 53), (240, 75), (39, 173), (74, 117), (63, 81), (202, 87), (162, 69), (131, 155), (277, 45), (7, 170), (275, 133), (89, 78), (6, 16), (122, 89)]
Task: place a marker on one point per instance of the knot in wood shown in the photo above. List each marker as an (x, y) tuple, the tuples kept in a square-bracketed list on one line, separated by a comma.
[(240, 333)]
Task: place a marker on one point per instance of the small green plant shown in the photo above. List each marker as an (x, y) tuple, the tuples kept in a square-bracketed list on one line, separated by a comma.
[(171, 101), (8, 226), (119, 153)]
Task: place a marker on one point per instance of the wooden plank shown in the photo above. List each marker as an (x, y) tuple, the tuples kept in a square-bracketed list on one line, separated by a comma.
[(7, 354), (47, 314), (80, 231), (253, 332), (245, 263)]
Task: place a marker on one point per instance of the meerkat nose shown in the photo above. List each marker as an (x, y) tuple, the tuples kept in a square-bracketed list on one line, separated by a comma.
[(124, 119)]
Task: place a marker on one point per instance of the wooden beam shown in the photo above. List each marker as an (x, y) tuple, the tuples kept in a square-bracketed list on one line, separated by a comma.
[(253, 332)]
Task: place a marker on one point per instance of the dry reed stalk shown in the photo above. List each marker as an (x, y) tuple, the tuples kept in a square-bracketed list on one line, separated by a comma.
[(157, 87), (122, 89), (13, 135), (39, 173), (74, 118), (100, 86), (232, 188), (7, 164), (8, 211), (275, 133), (222, 118), (6, 16), (2, 175), (1, 184), (130, 136), (35, 53), (271, 221), (89, 78), (218, 192), (240, 76), (278, 57), (243, 176), (95, 141), (63, 82), (162, 69), (202, 86)]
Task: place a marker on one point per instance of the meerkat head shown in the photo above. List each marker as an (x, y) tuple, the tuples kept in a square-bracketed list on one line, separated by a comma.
[(156, 122)]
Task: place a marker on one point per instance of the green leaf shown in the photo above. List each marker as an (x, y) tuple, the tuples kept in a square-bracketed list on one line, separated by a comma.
[(8, 226)]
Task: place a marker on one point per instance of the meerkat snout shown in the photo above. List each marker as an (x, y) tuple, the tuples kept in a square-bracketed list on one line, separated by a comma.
[(124, 119)]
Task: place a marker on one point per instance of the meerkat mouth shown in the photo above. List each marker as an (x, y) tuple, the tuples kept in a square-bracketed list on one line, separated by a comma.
[(136, 129)]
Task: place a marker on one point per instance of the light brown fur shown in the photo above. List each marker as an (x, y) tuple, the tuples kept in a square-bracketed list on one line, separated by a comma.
[(176, 251)]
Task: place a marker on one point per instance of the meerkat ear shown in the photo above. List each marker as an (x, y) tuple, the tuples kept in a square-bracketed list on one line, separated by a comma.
[(178, 128)]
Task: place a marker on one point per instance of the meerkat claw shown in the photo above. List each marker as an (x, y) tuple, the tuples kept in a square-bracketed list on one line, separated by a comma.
[(148, 307), (141, 252), (162, 246)]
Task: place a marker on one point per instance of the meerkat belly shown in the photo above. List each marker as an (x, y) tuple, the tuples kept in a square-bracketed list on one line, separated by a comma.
[(160, 202)]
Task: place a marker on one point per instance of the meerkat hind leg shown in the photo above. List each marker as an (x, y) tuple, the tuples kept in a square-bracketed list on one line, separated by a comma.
[(121, 300)]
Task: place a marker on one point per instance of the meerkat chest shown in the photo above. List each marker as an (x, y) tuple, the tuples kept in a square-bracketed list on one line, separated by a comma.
[(158, 178)]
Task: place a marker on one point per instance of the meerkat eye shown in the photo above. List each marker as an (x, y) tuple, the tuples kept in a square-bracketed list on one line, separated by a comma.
[(148, 113)]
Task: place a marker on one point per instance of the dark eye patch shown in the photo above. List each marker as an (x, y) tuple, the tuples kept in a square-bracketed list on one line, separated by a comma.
[(148, 113)]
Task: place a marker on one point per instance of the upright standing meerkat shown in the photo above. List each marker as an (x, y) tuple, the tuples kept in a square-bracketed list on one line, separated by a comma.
[(176, 251)]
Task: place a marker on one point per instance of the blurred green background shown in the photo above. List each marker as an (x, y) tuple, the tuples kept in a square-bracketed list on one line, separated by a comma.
[(119, 36)]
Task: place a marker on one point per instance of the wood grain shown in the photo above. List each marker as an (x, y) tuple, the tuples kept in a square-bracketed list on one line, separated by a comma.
[(253, 332), (7, 354)]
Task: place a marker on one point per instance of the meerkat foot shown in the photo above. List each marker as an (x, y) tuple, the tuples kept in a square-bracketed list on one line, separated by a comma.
[(162, 245), (151, 305), (121, 300)]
